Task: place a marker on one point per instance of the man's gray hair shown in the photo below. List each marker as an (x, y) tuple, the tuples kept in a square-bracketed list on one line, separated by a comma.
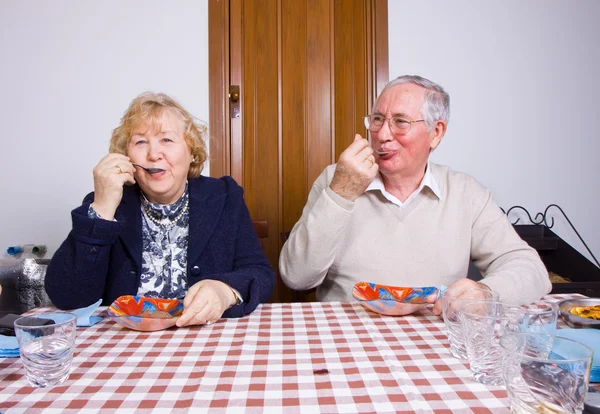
[(436, 105)]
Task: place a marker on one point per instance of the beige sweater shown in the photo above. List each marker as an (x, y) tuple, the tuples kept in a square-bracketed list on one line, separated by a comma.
[(429, 242)]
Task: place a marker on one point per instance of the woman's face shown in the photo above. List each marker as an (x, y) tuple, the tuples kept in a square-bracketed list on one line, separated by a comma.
[(165, 148)]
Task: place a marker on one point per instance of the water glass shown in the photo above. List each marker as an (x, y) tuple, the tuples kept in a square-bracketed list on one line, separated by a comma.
[(484, 323), (452, 301), (46, 343), (542, 317), (544, 373)]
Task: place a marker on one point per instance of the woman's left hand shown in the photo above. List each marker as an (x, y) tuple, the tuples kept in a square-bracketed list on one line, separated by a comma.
[(205, 302)]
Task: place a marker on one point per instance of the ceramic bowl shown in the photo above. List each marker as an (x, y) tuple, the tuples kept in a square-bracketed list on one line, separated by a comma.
[(145, 314), (575, 321), (392, 300)]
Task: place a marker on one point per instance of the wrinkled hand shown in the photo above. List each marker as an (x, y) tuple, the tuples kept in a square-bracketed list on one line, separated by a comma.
[(355, 170), (205, 302), (111, 173), (459, 289)]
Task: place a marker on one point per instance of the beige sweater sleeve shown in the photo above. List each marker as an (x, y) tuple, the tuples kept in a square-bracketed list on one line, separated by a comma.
[(311, 248), (509, 265)]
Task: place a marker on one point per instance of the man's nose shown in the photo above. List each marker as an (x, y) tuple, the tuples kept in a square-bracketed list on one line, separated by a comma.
[(384, 134)]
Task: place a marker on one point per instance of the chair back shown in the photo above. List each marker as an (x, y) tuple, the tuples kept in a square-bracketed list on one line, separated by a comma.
[(261, 228)]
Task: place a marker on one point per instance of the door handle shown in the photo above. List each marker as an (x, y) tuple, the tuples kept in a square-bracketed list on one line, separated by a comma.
[(234, 101)]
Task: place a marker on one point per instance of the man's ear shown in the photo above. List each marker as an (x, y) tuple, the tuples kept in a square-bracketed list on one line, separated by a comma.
[(438, 133)]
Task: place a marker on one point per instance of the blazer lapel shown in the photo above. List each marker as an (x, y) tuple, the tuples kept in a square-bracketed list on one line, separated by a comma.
[(205, 211), (130, 217)]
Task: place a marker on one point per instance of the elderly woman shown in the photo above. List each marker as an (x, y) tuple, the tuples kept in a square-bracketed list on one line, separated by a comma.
[(155, 227)]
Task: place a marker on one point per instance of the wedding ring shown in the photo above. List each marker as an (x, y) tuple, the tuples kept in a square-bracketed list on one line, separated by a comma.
[(208, 323), (119, 168), (371, 158)]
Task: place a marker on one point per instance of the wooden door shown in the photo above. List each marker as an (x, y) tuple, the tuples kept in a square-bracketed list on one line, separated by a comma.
[(308, 72)]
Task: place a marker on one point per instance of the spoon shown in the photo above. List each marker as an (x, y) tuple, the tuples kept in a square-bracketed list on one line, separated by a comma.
[(149, 170)]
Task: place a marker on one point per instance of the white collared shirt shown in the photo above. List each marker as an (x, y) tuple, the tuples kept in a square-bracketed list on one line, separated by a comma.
[(428, 180)]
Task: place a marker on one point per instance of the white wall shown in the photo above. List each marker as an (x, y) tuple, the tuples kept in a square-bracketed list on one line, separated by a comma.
[(69, 70), (523, 79)]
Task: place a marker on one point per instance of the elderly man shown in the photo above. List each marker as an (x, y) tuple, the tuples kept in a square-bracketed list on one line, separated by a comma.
[(386, 214)]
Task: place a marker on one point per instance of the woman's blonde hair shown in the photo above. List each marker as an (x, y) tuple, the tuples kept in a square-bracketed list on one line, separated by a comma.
[(146, 109)]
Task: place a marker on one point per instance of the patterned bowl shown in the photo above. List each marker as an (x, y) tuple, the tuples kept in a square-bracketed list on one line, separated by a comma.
[(392, 300), (145, 314)]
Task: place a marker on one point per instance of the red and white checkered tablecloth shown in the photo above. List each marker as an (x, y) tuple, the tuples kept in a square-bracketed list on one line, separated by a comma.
[(292, 358)]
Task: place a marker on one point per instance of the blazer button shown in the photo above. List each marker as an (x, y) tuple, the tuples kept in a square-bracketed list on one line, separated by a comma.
[(196, 270), (132, 272)]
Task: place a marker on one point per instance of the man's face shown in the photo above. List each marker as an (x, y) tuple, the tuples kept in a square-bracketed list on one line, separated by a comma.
[(398, 154)]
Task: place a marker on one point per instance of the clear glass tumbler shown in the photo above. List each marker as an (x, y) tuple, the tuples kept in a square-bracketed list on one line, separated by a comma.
[(542, 317), (452, 301), (484, 323), (545, 373), (46, 343)]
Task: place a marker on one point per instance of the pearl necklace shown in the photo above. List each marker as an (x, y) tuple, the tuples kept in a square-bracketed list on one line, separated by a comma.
[(166, 223)]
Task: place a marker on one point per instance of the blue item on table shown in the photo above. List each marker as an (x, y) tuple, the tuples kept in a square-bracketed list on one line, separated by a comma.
[(9, 347), (589, 337), (85, 315)]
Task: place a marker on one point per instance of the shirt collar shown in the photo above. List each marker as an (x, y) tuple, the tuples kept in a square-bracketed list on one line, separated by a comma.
[(427, 181)]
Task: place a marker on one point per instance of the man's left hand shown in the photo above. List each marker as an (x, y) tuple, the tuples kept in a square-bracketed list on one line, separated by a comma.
[(459, 289)]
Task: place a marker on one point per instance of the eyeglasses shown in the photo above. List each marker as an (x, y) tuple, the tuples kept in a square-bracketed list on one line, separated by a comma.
[(397, 125)]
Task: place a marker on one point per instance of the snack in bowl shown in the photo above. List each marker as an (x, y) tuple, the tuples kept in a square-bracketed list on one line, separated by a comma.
[(580, 312), (145, 314), (592, 312), (393, 300)]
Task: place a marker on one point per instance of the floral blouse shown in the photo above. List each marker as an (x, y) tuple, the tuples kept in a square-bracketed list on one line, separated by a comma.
[(165, 229)]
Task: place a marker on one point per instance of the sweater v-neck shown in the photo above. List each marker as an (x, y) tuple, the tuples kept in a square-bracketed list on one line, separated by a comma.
[(402, 212)]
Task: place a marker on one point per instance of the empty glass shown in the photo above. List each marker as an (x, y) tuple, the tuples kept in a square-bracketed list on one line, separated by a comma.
[(541, 317), (544, 373), (46, 343), (452, 301), (484, 323)]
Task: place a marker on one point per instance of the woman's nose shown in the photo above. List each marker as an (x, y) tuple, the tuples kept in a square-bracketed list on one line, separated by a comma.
[(154, 151)]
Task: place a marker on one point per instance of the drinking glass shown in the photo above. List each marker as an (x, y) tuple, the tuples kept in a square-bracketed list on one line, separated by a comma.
[(484, 323), (545, 373), (542, 317), (47, 343), (452, 301)]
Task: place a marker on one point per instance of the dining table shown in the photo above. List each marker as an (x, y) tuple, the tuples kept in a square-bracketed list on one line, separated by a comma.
[(314, 357)]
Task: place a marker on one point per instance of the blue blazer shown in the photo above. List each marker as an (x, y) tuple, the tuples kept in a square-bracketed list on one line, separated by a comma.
[(103, 259)]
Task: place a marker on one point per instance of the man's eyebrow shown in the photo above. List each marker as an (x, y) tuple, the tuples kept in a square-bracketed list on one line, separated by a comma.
[(396, 115)]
